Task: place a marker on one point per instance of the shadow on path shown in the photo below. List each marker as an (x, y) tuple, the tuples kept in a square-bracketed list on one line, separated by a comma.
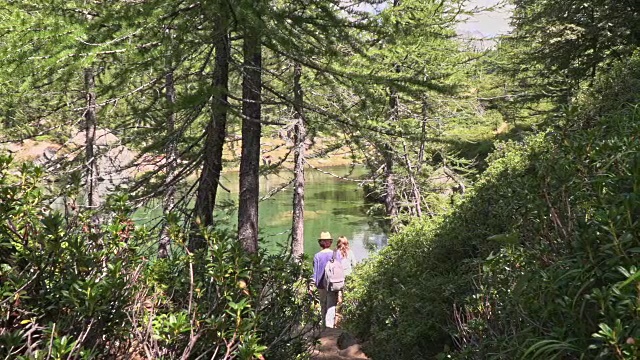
[(335, 344)]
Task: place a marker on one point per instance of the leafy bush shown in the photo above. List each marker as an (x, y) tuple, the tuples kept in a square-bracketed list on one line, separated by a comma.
[(568, 287), (401, 301), (71, 289), (65, 285), (224, 303), (539, 261)]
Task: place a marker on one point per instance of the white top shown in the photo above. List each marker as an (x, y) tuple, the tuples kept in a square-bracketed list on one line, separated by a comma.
[(348, 262)]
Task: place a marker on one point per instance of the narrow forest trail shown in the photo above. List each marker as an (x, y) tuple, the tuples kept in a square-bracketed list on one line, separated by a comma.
[(329, 349)]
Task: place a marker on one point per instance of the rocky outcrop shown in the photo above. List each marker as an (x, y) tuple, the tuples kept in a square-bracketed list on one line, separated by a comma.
[(115, 162)]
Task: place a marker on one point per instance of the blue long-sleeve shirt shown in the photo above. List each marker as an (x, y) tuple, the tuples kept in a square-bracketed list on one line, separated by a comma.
[(320, 261)]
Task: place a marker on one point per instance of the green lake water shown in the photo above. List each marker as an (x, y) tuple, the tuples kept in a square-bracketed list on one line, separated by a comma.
[(331, 204)]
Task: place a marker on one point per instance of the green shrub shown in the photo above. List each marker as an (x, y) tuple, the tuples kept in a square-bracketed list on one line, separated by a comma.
[(225, 301), (401, 301), (71, 289), (568, 288), (65, 285), (539, 261)]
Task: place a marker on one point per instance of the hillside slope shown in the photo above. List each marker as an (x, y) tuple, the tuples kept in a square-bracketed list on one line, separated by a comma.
[(539, 261)]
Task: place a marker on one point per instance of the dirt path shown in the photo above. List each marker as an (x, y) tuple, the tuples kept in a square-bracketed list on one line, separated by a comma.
[(328, 348)]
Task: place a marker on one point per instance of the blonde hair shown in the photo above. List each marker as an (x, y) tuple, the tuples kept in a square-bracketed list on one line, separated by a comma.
[(343, 245)]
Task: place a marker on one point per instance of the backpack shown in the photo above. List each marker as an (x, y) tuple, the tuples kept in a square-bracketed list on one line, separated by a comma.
[(333, 274)]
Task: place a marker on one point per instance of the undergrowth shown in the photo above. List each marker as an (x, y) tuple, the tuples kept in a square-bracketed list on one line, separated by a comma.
[(72, 289), (539, 261)]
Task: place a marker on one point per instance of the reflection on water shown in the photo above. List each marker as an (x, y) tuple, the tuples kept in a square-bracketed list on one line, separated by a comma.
[(331, 204)]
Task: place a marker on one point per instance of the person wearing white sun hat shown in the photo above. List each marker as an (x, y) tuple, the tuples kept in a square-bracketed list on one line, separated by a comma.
[(328, 299)]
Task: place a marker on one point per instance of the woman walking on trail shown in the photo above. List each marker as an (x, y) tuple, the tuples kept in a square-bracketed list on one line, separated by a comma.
[(328, 299), (348, 258), (348, 262)]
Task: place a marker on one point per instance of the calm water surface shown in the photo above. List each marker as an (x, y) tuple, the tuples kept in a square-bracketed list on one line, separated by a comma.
[(331, 204)]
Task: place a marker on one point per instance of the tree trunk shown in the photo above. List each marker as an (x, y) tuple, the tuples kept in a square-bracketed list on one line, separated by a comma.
[(388, 154), (251, 131), (417, 198), (390, 205), (423, 133), (214, 140), (390, 186), (91, 165), (171, 156), (297, 230)]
